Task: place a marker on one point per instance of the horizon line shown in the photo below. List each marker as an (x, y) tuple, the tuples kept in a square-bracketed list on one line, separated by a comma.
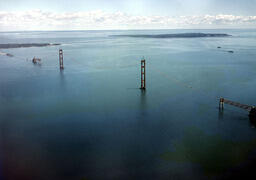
[(243, 28)]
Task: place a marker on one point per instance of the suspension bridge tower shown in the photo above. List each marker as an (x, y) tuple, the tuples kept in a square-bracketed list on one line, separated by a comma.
[(61, 59), (143, 74)]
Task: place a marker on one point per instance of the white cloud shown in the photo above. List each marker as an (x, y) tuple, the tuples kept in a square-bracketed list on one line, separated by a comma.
[(42, 20)]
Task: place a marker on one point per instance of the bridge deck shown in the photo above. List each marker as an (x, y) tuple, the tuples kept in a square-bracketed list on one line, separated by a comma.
[(243, 106)]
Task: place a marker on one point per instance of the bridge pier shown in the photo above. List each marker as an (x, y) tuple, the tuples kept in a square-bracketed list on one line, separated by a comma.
[(221, 103)]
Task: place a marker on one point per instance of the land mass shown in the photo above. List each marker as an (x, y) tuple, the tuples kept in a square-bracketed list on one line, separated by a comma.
[(7, 46), (180, 35)]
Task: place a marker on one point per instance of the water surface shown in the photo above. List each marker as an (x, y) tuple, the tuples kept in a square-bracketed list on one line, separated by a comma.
[(91, 121)]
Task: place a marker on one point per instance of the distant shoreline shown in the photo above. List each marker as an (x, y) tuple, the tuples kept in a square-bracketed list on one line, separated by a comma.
[(180, 35), (8, 46)]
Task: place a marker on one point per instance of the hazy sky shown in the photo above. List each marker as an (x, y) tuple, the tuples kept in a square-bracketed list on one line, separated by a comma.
[(126, 14)]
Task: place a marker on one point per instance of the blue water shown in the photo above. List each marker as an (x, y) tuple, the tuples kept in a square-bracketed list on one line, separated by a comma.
[(92, 121)]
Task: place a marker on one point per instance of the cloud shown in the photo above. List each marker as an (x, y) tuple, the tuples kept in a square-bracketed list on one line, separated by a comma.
[(43, 20)]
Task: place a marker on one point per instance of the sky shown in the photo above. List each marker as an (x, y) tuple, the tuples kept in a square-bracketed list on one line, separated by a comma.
[(125, 14)]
